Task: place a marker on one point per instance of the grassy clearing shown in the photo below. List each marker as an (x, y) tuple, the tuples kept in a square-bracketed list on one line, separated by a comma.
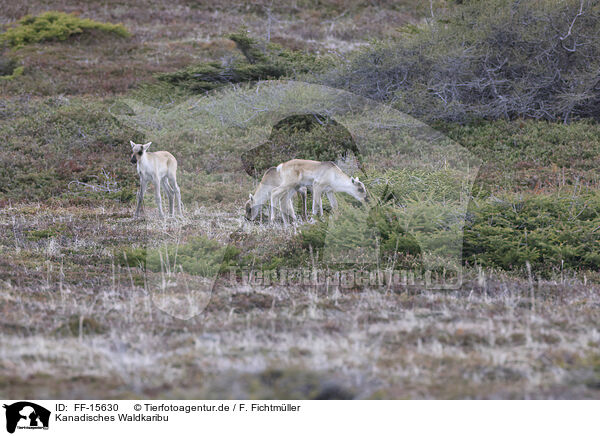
[(534, 199)]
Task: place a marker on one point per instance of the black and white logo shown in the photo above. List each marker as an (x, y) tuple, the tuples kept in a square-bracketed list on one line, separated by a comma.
[(26, 415)]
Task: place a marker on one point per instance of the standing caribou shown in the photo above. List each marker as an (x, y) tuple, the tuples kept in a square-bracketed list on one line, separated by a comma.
[(296, 175), (160, 168)]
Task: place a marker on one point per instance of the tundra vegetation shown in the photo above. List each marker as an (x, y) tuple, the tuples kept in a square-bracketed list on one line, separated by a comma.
[(516, 83)]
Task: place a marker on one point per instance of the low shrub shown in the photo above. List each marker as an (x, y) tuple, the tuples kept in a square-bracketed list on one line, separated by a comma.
[(198, 256), (78, 325), (300, 137), (350, 237), (261, 61), (524, 154), (9, 68), (50, 232), (537, 142), (18, 71), (131, 256), (56, 26), (551, 232)]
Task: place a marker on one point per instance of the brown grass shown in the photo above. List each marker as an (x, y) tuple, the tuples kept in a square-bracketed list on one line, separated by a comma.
[(80, 326), (170, 35)]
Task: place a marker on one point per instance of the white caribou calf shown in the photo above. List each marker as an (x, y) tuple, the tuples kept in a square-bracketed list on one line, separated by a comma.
[(324, 178), (270, 180), (160, 168)]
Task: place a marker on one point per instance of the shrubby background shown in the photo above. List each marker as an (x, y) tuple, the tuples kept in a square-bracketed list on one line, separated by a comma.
[(535, 60)]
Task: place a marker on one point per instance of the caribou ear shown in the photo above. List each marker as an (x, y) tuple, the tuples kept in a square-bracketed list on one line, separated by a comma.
[(250, 197), (146, 146), (133, 144)]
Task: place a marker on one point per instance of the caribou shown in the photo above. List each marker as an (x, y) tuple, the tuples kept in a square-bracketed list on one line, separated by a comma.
[(281, 183), (270, 180), (160, 168), (324, 178)]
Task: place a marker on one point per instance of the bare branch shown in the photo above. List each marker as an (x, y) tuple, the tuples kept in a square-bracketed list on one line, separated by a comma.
[(580, 13)]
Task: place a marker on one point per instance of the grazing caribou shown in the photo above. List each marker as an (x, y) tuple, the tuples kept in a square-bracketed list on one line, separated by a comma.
[(324, 178), (270, 180), (160, 168)]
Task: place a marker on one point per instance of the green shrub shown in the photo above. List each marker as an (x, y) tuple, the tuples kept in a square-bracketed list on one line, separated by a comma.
[(131, 256), (407, 184), (56, 26), (393, 239), (260, 62), (550, 232), (51, 232), (7, 65), (300, 137), (535, 142), (524, 154), (79, 325), (345, 239), (198, 256), (9, 68), (18, 71)]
